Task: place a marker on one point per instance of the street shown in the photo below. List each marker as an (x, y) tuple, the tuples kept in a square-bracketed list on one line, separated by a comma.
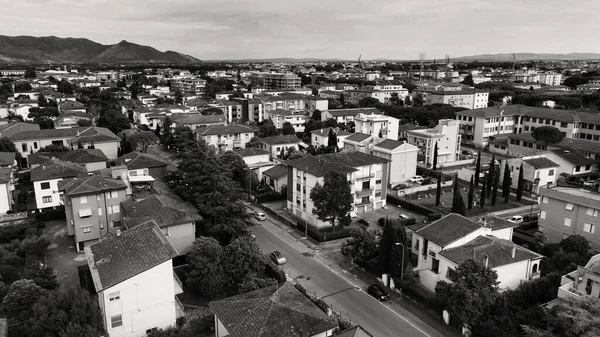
[(341, 291)]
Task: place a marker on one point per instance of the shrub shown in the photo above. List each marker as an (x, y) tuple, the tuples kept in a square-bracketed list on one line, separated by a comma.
[(251, 283), (363, 222), (13, 232), (381, 222), (344, 324), (273, 271), (321, 304)]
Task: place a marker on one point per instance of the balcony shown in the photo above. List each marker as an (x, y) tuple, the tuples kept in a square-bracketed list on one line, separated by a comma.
[(365, 176), (178, 284), (364, 192), (179, 311)]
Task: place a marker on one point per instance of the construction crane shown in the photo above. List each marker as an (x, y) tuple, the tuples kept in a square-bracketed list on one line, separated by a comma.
[(514, 62), (360, 63)]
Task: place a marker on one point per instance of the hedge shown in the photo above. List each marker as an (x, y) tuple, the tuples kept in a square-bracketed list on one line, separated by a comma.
[(326, 234), (51, 214), (274, 272), (270, 196), (429, 213)]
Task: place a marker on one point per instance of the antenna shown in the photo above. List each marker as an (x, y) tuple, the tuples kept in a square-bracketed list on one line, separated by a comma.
[(514, 61), (360, 63), (421, 59), (447, 59)]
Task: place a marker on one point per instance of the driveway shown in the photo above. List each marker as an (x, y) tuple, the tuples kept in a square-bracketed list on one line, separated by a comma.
[(61, 254)]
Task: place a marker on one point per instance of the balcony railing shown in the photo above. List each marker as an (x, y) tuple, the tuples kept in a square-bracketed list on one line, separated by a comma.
[(179, 311), (364, 192), (365, 176), (178, 284)]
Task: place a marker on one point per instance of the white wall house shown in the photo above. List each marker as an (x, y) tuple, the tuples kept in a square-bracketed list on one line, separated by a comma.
[(478, 125), (275, 144), (447, 137), (538, 171), (45, 180), (402, 157), (321, 137), (226, 137), (379, 126), (345, 116), (7, 188)]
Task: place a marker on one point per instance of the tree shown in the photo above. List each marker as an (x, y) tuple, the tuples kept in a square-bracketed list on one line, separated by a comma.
[(316, 115), (342, 98), (254, 142), (495, 188), (520, 183), (483, 191), (545, 135), (157, 132), (65, 87), (19, 300), (438, 190), (242, 257), (239, 170), (333, 200), (267, 129), (180, 140), (142, 140), (396, 100), (471, 194), (84, 123), (362, 246), (206, 273), (288, 129), (491, 174), (459, 205), (477, 168), (400, 242), (435, 156), (54, 148), (388, 237), (332, 141), (30, 73), (114, 121), (368, 102), (468, 80), (571, 317), (251, 283), (506, 183), (7, 145), (41, 275), (167, 124), (407, 101), (474, 289)]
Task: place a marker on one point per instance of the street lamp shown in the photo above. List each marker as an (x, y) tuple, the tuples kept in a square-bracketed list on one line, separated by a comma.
[(402, 264)]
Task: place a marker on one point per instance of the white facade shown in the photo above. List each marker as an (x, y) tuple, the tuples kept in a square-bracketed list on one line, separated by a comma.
[(377, 125), (321, 137), (534, 178), (6, 199), (477, 130), (47, 194), (458, 99), (445, 134), (403, 161)]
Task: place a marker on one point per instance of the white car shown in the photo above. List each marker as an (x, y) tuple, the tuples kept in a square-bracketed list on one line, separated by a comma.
[(416, 179), (516, 219), (260, 216), (278, 258), (404, 216)]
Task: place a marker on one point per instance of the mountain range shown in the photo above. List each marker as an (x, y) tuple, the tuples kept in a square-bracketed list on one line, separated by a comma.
[(52, 49), (529, 56)]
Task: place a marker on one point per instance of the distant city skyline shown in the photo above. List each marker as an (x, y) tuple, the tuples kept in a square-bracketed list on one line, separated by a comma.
[(334, 29)]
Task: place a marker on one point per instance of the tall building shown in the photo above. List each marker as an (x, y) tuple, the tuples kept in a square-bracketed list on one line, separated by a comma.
[(464, 98), (276, 80), (447, 137), (188, 86), (478, 125), (380, 126)]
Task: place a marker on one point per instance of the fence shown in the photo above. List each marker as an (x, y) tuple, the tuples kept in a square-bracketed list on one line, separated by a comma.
[(457, 163), (429, 213), (430, 187)]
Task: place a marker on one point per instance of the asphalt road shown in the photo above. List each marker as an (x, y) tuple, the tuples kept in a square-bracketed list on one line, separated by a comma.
[(340, 291)]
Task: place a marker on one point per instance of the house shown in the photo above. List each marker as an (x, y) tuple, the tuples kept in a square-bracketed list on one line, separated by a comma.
[(356, 331), (380, 126), (279, 117), (132, 272), (92, 207), (226, 137), (478, 125), (441, 246), (523, 144), (566, 211), (142, 164), (447, 137), (275, 144), (271, 311), (258, 160), (7, 188), (71, 106), (197, 120), (581, 282), (366, 173), (312, 103), (91, 159), (462, 98), (8, 159), (355, 96), (71, 119), (344, 116), (359, 142), (321, 137), (537, 171), (572, 162), (276, 177), (46, 179), (175, 217), (402, 157), (10, 129)]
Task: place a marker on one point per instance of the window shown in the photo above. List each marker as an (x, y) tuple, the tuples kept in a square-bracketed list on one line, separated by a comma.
[(588, 167), (542, 214), (451, 274), (589, 228), (435, 265), (45, 185), (114, 209), (577, 168), (46, 200), (378, 181), (545, 200), (592, 212), (551, 173), (101, 225), (145, 172), (113, 194), (425, 246), (114, 296), (83, 199), (24, 147), (151, 330), (298, 187), (366, 185), (133, 173), (365, 200), (377, 194), (569, 206), (116, 321), (567, 222), (417, 245), (86, 229), (35, 145), (99, 211)]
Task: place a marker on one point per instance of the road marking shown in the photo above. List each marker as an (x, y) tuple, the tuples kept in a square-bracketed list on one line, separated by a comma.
[(352, 283)]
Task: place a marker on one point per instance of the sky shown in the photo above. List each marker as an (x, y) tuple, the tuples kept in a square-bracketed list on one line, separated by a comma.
[(324, 29)]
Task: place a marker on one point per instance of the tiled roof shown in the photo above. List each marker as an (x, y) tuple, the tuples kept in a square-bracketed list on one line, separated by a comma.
[(353, 112), (270, 312), (118, 258), (165, 210), (342, 162), (251, 151), (583, 145), (90, 185), (448, 229), (356, 331), (57, 170), (81, 156), (494, 111), (223, 129), (71, 105), (7, 158), (498, 252), (281, 139), (574, 157), (495, 223), (540, 163), (197, 118), (85, 134), (389, 144), (325, 132), (10, 129), (137, 160), (276, 172), (5, 174), (358, 137)]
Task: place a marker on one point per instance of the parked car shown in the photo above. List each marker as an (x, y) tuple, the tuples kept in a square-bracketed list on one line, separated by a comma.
[(260, 216), (533, 217), (278, 258), (516, 219), (416, 179), (469, 153), (429, 181), (377, 291), (400, 187), (404, 216)]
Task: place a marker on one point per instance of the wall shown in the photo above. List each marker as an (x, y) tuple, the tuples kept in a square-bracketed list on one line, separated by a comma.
[(220, 330), (50, 192), (109, 149), (511, 276), (5, 199), (95, 166), (181, 236)]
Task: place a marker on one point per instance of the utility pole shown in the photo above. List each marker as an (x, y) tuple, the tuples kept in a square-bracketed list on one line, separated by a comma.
[(421, 59)]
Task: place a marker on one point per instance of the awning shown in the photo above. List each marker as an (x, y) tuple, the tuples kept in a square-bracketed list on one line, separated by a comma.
[(141, 179), (83, 213)]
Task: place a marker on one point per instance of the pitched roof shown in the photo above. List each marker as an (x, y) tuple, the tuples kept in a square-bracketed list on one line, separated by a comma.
[(281, 139), (389, 144), (448, 229), (7, 158), (574, 157), (272, 312), (85, 134), (498, 252), (71, 105), (90, 185), (137, 160), (582, 145), (494, 111), (197, 118), (356, 331), (325, 132), (10, 129), (118, 258), (81, 156), (277, 172), (251, 151), (223, 129), (540, 163), (358, 137), (166, 210), (353, 112), (56, 170), (342, 162), (5, 174)]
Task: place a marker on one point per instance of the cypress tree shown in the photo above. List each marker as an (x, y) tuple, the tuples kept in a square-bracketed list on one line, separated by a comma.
[(520, 183), (471, 193), (477, 169), (482, 199), (495, 189), (506, 183), (491, 173), (438, 191), (435, 156)]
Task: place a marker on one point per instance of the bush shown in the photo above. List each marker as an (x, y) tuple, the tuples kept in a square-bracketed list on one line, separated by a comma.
[(429, 302), (538, 291), (270, 196), (381, 222), (251, 283), (326, 234), (429, 213), (273, 271), (321, 304), (13, 232), (363, 222), (344, 324)]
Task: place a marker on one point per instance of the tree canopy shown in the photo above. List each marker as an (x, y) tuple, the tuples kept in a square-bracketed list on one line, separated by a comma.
[(547, 135), (114, 121), (333, 200), (288, 129)]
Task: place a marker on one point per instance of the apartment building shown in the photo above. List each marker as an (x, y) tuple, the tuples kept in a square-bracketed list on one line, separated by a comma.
[(344, 116), (359, 142), (567, 211), (321, 137), (275, 80), (523, 144), (252, 109), (380, 126), (312, 103), (142, 164), (188, 86), (537, 171), (283, 102), (464, 98), (133, 276), (297, 118), (447, 137), (402, 157), (478, 125), (366, 173), (46, 179), (581, 282), (275, 144), (226, 137), (355, 96)]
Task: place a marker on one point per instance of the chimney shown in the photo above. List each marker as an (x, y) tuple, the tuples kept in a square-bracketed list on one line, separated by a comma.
[(118, 232), (513, 251), (486, 260)]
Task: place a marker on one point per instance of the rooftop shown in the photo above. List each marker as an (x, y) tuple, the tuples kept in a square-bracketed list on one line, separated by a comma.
[(276, 172), (118, 258), (540, 163), (7, 158), (325, 132), (165, 209), (251, 151), (223, 129), (390, 144), (137, 160), (80, 156), (90, 185), (281, 139), (353, 112), (358, 137), (5, 174), (448, 229), (573, 157), (197, 118), (342, 162), (592, 196), (57, 170)]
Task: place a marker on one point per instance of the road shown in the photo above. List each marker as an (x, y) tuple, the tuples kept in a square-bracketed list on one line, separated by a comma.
[(342, 292)]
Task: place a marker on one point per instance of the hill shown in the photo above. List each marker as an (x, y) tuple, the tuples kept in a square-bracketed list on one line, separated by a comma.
[(52, 49), (529, 56)]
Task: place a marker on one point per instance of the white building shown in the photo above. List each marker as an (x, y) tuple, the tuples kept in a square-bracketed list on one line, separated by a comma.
[(478, 125), (465, 98), (45, 180), (380, 126), (276, 177), (7, 188), (280, 117), (275, 144), (226, 137), (443, 245), (581, 282), (447, 137), (344, 116), (572, 162), (258, 160), (321, 137), (136, 295), (402, 157), (537, 171)]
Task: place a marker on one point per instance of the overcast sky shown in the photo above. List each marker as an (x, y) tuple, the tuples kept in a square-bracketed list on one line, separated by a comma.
[(239, 29)]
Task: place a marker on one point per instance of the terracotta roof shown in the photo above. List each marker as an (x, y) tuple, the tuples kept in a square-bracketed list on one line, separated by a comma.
[(343, 162), (10, 129), (390, 144), (166, 210), (80, 156), (86, 134), (281, 139), (118, 258), (353, 112), (574, 157), (495, 111), (356, 331), (71, 105), (197, 118), (448, 229), (325, 132), (358, 137), (498, 252), (277, 172), (251, 151), (540, 163), (137, 160), (582, 145), (57, 170), (7, 158), (223, 129), (5, 174), (272, 312), (90, 185)]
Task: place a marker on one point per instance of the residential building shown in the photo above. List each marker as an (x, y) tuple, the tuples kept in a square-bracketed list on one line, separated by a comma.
[(46, 179), (572, 162), (275, 80), (197, 120), (71, 119), (7, 188), (443, 245), (226, 137), (380, 126), (276, 177), (277, 311), (258, 160), (312, 103), (567, 211), (359, 142), (91, 159), (478, 125), (252, 109), (366, 173), (588, 87), (132, 272), (465, 98), (142, 164), (523, 144), (296, 118), (355, 96), (581, 282), (72, 106), (537, 171), (402, 157), (275, 144), (344, 116), (447, 137), (320, 137), (283, 102), (10, 129), (92, 207), (188, 86), (175, 217)]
